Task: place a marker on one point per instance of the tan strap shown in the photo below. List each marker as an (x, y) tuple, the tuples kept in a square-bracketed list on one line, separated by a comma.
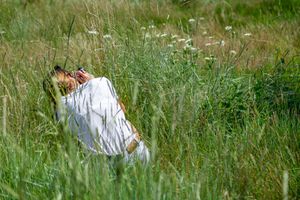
[(133, 144)]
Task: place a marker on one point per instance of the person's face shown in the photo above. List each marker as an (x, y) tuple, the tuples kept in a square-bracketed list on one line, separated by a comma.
[(67, 81)]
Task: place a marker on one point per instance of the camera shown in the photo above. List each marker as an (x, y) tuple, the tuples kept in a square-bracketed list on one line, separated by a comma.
[(81, 69)]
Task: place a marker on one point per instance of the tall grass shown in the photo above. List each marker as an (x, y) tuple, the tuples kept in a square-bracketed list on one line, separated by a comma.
[(221, 118)]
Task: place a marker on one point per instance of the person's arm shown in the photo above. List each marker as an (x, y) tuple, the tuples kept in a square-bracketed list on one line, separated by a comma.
[(122, 105), (83, 76)]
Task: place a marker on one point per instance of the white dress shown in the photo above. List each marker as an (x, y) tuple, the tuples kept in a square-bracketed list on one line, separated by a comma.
[(95, 116)]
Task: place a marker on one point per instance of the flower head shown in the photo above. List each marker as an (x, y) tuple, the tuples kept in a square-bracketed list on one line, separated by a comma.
[(233, 52), (188, 41), (228, 28), (210, 58), (222, 43), (163, 35), (147, 35), (174, 36), (93, 32), (151, 27), (107, 37), (247, 34), (193, 49), (192, 21)]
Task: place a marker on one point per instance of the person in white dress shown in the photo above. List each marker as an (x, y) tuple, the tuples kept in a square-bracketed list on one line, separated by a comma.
[(95, 114)]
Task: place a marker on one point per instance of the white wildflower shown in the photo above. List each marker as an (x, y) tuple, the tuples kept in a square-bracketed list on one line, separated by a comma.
[(174, 36), (163, 35), (222, 43), (193, 49), (208, 44), (157, 35), (187, 47), (93, 32), (210, 37), (151, 27), (247, 34), (233, 52), (181, 40), (170, 45), (192, 21), (204, 33), (210, 58), (107, 37), (188, 41), (228, 28), (147, 35)]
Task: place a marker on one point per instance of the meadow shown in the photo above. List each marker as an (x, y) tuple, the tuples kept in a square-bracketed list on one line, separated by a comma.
[(213, 86)]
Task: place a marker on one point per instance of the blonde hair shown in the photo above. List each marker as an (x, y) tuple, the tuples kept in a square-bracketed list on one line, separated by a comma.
[(51, 85)]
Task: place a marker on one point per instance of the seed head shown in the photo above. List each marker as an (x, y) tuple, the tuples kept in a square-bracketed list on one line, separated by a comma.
[(228, 28)]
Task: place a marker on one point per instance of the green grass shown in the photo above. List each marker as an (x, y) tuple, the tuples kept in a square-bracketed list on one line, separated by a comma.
[(222, 122)]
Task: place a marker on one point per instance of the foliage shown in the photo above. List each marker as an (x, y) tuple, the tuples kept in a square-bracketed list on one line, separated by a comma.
[(212, 85)]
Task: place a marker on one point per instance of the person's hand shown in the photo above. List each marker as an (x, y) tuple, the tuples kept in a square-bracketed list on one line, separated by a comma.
[(83, 76)]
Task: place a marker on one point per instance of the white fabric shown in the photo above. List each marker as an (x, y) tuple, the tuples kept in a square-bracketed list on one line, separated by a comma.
[(95, 116)]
